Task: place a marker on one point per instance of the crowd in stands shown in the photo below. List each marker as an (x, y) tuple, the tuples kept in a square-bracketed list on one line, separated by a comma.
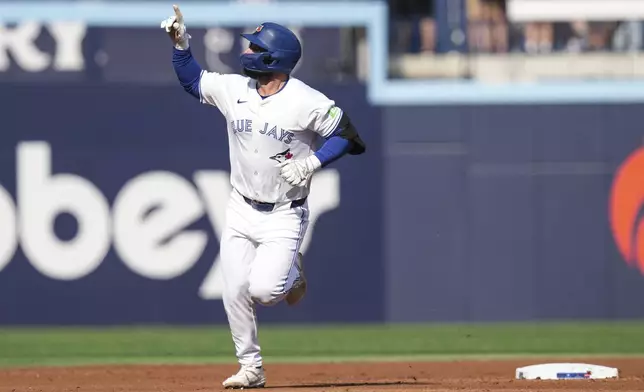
[(489, 31)]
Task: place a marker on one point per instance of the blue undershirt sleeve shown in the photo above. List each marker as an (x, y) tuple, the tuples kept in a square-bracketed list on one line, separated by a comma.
[(188, 71), (333, 149)]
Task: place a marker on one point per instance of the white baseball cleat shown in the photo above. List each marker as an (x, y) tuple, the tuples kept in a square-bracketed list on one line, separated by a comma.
[(246, 377), (299, 286)]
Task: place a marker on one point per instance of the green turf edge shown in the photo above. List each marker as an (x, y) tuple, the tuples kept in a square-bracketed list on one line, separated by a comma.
[(116, 361)]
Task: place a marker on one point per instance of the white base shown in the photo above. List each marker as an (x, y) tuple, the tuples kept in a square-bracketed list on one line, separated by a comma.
[(565, 371)]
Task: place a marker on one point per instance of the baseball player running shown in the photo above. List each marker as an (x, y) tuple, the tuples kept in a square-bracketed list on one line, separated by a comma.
[(273, 121)]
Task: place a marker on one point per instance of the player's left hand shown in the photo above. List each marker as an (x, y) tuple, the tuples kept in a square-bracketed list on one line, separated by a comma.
[(298, 172)]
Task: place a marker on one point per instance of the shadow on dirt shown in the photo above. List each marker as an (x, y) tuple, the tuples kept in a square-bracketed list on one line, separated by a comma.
[(349, 384)]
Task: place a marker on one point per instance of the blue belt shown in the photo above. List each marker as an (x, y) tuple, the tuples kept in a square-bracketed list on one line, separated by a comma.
[(268, 207)]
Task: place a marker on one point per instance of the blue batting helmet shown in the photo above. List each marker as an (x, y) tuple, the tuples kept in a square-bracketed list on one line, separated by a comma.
[(281, 50)]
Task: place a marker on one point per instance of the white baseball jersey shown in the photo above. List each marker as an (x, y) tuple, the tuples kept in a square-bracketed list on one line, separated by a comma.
[(265, 131)]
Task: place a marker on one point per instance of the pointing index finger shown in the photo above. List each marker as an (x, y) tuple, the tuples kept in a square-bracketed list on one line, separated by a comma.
[(177, 12)]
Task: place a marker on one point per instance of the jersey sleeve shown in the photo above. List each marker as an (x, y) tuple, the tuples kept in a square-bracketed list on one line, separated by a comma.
[(323, 116), (215, 89)]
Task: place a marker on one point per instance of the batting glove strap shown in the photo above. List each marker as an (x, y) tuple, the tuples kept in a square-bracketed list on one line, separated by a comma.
[(312, 163)]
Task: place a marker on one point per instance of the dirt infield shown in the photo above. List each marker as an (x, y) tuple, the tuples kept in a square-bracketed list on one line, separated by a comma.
[(398, 376)]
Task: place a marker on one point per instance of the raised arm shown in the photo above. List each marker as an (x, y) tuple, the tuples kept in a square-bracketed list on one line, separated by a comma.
[(208, 87), (185, 66)]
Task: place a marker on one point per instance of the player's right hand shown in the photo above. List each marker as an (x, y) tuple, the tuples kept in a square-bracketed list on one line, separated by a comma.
[(176, 29)]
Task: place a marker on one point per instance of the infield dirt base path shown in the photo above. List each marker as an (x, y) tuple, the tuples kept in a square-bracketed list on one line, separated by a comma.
[(397, 376)]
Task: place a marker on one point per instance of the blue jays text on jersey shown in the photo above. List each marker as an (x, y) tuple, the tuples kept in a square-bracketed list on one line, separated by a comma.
[(246, 125)]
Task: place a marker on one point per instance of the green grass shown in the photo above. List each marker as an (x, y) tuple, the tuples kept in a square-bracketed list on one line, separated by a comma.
[(58, 346)]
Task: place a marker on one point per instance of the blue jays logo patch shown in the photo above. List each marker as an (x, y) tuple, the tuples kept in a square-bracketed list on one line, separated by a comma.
[(282, 156)]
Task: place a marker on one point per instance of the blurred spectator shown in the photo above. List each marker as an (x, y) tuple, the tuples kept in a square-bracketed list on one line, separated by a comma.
[(539, 37), (487, 26), (413, 18), (591, 36), (628, 36)]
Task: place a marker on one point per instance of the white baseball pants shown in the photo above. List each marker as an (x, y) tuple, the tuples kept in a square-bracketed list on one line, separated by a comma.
[(258, 253)]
